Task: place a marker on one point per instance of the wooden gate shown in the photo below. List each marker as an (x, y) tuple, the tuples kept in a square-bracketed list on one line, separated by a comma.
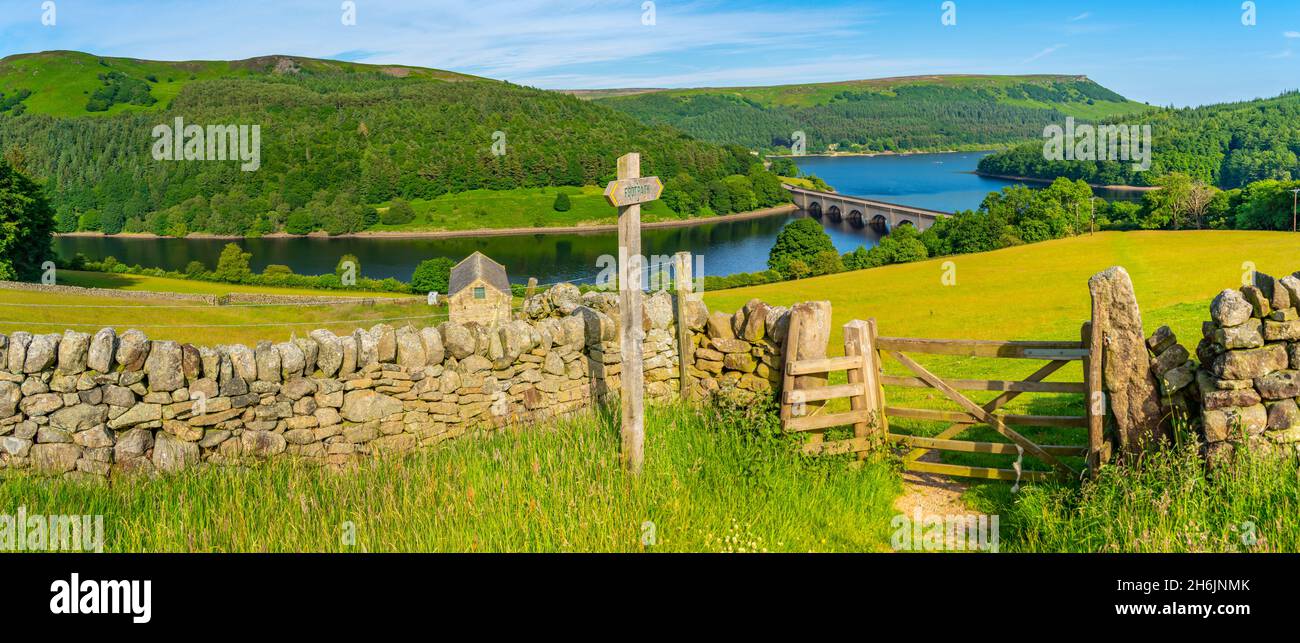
[(869, 414)]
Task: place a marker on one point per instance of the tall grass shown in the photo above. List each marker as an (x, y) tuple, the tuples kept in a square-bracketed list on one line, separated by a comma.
[(715, 481), (1169, 502)]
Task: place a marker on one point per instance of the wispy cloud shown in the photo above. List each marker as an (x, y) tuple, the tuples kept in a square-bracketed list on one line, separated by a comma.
[(1044, 53), (1291, 34), (355, 55), (1083, 16)]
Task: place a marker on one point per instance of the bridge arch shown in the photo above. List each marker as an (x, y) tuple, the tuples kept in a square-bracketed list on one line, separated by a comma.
[(906, 222), (815, 210), (880, 224), (856, 219), (835, 214)]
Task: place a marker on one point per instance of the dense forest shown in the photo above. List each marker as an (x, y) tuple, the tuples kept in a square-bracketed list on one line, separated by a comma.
[(1229, 145), (874, 116), (335, 143)]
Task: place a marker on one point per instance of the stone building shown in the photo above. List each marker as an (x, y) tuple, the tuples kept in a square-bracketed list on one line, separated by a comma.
[(479, 291)]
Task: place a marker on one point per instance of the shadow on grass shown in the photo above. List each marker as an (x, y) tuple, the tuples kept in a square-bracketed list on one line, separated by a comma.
[(108, 280)]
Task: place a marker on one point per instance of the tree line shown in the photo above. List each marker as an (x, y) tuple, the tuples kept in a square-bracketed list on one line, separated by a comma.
[(904, 118), (1229, 146)]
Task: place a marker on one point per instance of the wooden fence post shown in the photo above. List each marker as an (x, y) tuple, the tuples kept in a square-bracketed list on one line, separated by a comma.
[(855, 341), (787, 377), (875, 389), (632, 375), (1095, 401), (684, 281), (809, 332)]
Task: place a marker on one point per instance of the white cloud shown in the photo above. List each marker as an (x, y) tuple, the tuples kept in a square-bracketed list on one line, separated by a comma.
[(1044, 53), (1291, 34), (1083, 16)]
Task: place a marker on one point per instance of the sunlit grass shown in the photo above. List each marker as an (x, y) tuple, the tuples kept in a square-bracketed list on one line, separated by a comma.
[(714, 482), (193, 321), (1167, 503)]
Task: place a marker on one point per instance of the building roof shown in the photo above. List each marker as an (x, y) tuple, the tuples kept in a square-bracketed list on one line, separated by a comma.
[(478, 266)]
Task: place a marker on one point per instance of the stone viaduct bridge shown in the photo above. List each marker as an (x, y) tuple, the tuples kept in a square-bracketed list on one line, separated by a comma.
[(860, 212)]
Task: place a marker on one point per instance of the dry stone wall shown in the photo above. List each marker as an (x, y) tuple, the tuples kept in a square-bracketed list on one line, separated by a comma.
[(103, 404), (1248, 384), (739, 354)]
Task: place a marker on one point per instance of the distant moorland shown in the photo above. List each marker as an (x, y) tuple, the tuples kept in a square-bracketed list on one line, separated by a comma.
[(920, 113)]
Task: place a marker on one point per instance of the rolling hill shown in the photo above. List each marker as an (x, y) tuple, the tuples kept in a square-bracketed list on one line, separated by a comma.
[(337, 139), (890, 114), (1229, 145), (61, 82)]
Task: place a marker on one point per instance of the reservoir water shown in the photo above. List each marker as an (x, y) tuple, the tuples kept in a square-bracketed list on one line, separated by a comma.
[(937, 181)]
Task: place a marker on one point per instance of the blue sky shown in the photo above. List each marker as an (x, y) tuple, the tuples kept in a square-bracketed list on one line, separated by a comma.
[(1185, 52)]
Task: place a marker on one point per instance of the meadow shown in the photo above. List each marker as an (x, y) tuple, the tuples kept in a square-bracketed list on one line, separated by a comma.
[(1040, 291), (193, 321), (517, 208), (724, 480), (713, 482)]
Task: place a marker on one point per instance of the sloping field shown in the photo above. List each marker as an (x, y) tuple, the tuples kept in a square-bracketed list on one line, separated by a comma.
[(190, 320), (1038, 291)]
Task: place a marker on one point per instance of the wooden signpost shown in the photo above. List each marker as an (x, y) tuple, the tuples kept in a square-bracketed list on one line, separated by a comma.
[(627, 194)]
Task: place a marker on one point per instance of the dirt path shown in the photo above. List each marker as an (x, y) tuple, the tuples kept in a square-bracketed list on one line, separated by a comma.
[(934, 494)]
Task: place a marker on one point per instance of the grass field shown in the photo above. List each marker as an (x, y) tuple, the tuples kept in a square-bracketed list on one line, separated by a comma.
[(518, 208), (1040, 291), (1037, 291), (711, 483), (190, 321)]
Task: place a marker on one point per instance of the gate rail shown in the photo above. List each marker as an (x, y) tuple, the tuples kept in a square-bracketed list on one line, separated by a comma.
[(869, 415)]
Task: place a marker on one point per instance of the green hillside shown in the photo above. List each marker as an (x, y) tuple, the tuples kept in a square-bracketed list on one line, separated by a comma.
[(62, 82), (337, 139), (889, 114), (1229, 145)]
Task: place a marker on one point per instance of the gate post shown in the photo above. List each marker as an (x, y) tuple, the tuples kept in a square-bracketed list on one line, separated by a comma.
[(810, 330), (684, 282), (860, 341), (1095, 404)]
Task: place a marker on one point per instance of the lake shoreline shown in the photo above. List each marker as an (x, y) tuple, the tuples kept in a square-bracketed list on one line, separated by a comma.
[(831, 155), (460, 234), (1031, 179)]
